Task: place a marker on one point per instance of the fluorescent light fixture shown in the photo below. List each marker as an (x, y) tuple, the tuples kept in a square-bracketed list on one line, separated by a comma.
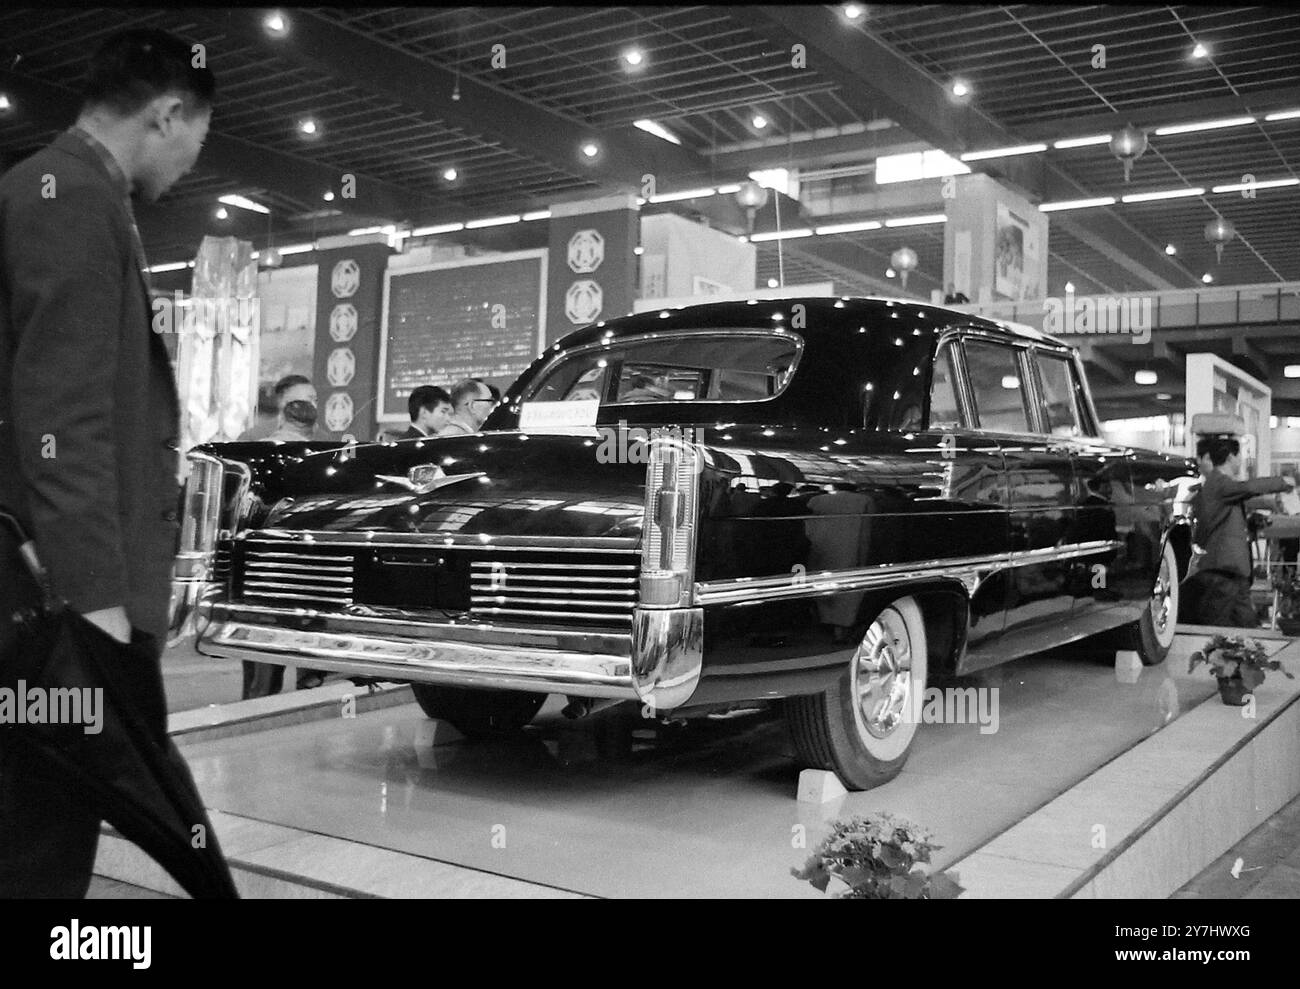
[(297, 248), (1291, 371), (917, 165), (1203, 125), (1145, 377), (1077, 204), (1146, 197), (848, 228), (1242, 186), (540, 214), (672, 197), (727, 190), (782, 235), (1293, 422), (1272, 422), (441, 228), (1081, 142), (1020, 149), (773, 178), (364, 231), (657, 129), (1163, 396), (243, 203), (178, 265), (1283, 115), (493, 221), (916, 221)]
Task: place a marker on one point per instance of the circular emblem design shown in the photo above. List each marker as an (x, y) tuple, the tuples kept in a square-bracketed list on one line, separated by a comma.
[(586, 251), (341, 366), (583, 301), (346, 279), (343, 322), (338, 412)]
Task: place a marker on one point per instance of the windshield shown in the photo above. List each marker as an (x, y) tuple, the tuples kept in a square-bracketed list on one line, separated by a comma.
[(692, 367)]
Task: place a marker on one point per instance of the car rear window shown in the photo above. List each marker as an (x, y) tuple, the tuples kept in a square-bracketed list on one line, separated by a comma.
[(690, 367)]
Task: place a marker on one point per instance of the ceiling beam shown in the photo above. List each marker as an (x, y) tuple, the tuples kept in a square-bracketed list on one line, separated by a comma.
[(877, 79), (1092, 354), (482, 110)]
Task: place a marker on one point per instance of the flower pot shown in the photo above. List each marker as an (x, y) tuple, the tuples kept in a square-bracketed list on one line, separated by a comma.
[(1233, 691)]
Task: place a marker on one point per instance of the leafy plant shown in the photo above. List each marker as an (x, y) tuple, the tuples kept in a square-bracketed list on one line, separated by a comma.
[(878, 857), (1232, 656)]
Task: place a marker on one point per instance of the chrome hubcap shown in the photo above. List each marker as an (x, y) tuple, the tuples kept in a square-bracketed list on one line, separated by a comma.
[(1162, 599), (882, 675)]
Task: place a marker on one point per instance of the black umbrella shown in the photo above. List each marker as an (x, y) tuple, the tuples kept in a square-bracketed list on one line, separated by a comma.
[(130, 771)]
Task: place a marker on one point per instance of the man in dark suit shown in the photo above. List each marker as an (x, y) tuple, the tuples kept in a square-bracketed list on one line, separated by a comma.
[(430, 410), (89, 418)]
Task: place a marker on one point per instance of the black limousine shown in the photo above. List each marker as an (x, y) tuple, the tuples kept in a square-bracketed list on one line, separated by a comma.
[(825, 503)]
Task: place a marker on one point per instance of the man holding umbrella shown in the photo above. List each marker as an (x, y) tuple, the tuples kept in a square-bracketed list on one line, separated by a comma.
[(89, 417)]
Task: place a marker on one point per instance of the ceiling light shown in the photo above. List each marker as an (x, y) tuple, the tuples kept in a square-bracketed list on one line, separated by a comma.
[(540, 214), (178, 265), (328, 197), (1145, 377), (916, 221), (890, 273), (1171, 250), (782, 235), (916, 165), (638, 250), (1272, 422), (633, 57), (672, 197), (5, 105), (591, 149), (1200, 51), (450, 175), (759, 121), (657, 129), (1203, 125), (960, 88), (1077, 204), (222, 213), (848, 228), (275, 24), (440, 228), (1081, 142), (1243, 186), (1143, 197), (308, 126), (297, 248), (853, 11), (1284, 115), (1293, 422), (772, 283), (1010, 382), (1291, 371), (495, 221), (1020, 149), (243, 203), (1163, 396), (1207, 278), (1069, 287)]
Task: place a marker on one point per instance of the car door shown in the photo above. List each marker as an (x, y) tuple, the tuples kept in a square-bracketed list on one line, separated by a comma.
[(1039, 490)]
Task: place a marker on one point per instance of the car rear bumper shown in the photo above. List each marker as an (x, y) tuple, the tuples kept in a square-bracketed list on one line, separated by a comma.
[(658, 662)]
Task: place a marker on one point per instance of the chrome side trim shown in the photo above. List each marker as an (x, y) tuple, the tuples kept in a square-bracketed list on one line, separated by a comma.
[(461, 540), (971, 571), (667, 655)]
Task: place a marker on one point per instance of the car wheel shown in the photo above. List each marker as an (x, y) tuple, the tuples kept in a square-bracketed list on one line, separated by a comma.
[(479, 713), (1152, 634), (862, 727)]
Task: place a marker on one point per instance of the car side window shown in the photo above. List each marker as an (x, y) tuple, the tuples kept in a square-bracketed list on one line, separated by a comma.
[(1059, 407), (995, 383), (944, 410)]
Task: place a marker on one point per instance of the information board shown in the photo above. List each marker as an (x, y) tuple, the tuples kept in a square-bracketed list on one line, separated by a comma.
[(473, 318)]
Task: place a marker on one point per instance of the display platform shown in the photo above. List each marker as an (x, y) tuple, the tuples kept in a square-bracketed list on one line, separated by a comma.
[(605, 806)]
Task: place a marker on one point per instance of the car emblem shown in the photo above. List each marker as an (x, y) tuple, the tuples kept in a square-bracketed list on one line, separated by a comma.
[(427, 477)]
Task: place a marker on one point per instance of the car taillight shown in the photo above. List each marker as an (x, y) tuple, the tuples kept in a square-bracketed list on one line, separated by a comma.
[(668, 535)]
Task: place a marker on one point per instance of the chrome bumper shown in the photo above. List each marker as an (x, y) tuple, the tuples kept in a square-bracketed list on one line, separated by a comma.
[(659, 663)]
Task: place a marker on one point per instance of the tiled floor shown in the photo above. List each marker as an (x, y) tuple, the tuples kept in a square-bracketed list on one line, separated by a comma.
[(1269, 869)]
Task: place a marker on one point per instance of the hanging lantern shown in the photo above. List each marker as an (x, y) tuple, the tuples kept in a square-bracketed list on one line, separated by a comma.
[(1128, 145), (270, 258), (903, 260), (753, 197), (1220, 232)]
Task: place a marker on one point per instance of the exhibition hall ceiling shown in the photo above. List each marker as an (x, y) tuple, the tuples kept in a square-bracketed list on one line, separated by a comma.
[(448, 114)]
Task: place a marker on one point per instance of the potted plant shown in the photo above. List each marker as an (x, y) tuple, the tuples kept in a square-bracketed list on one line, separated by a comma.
[(1239, 666), (878, 857)]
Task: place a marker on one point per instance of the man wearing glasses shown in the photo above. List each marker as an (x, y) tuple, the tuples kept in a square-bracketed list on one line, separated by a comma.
[(473, 403)]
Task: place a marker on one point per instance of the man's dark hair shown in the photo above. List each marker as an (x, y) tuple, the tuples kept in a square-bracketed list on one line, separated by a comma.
[(495, 392), (425, 397), (1218, 448), (287, 382), (466, 388), (133, 67)]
